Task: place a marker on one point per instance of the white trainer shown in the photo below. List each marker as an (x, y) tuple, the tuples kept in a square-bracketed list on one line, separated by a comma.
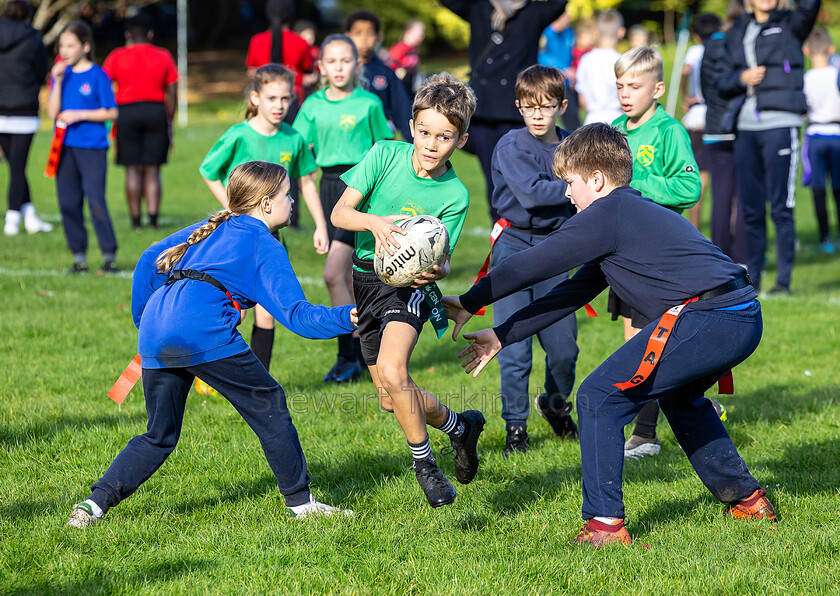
[(82, 516), (12, 227), (638, 447), (314, 508), (32, 222)]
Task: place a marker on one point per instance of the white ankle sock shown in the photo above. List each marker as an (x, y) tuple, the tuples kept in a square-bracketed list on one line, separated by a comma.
[(97, 510), (608, 520)]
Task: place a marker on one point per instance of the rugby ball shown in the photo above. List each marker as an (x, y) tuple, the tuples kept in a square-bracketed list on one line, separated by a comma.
[(425, 244)]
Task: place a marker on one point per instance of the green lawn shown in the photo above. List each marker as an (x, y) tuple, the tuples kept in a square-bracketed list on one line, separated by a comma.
[(211, 520)]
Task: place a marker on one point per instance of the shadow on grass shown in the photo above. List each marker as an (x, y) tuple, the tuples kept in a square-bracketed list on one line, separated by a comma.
[(106, 582), (804, 469), (16, 436)]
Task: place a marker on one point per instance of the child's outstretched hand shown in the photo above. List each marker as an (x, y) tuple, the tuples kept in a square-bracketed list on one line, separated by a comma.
[(354, 316), (457, 313), (484, 347), (381, 228)]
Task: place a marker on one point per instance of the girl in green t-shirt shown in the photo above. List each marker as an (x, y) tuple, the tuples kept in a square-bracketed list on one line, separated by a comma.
[(341, 123), (263, 136)]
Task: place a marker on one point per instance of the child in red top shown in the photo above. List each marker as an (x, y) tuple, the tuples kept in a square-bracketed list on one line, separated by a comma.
[(404, 57), (146, 79)]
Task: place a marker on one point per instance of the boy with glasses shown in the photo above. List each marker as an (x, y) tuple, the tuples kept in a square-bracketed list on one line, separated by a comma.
[(532, 203)]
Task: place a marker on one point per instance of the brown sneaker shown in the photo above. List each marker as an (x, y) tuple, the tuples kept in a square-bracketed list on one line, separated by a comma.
[(756, 506), (595, 533)]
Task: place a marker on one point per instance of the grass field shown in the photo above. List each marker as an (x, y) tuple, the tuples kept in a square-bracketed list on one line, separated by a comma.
[(211, 520)]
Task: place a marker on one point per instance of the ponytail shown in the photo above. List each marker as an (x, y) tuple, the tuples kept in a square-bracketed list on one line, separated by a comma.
[(246, 186), (279, 12), (167, 260)]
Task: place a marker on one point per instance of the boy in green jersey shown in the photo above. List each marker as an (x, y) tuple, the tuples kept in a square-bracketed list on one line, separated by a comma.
[(664, 170), (394, 181)]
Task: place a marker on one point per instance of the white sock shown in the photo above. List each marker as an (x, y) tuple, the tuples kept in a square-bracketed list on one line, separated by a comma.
[(607, 520), (97, 510)]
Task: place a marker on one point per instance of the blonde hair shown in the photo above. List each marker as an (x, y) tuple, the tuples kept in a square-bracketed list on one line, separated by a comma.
[(447, 94), (269, 73), (247, 185), (780, 5), (640, 60), (540, 82), (596, 146), (609, 23)]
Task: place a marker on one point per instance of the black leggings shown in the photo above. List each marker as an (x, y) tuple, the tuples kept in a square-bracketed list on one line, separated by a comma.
[(16, 149)]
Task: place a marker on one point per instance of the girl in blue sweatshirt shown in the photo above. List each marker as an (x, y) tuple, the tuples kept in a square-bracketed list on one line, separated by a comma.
[(183, 294)]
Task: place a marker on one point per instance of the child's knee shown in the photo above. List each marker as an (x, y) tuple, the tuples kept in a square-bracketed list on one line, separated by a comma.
[(393, 376)]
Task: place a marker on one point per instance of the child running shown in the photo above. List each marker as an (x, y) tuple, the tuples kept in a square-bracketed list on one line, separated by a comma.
[(394, 181), (341, 123), (182, 303), (264, 136), (702, 305), (81, 97)]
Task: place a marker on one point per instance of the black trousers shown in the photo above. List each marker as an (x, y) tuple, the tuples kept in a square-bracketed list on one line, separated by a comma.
[(16, 149)]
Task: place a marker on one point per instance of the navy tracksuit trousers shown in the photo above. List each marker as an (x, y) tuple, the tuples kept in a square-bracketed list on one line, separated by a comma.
[(727, 235), (766, 162), (81, 173), (559, 342), (702, 347), (257, 397)]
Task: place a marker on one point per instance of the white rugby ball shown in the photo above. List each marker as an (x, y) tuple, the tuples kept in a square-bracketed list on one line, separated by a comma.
[(425, 244)]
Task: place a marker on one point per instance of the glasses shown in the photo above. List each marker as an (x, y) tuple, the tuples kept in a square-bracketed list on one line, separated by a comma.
[(529, 111)]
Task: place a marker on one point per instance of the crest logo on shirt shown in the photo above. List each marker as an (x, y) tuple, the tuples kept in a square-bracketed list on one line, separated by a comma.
[(85, 89), (380, 82), (285, 158), (347, 122), (412, 209), (645, 154)]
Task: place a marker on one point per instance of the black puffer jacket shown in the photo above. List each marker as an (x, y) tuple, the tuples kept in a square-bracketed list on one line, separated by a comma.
[(717, 106), (24, 68), (496, 58), (778, 47)]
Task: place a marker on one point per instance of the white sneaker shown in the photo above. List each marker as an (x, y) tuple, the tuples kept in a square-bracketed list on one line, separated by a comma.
[(314, 508), (82, 516), (638, 447), (32, 222), (12, 226)]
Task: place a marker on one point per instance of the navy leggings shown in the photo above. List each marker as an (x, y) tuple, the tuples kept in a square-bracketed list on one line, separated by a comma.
[(702, 347), (257, 397), (766, 162), (81, 173)]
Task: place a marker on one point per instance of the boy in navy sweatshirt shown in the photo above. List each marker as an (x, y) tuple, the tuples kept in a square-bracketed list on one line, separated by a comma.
[(701, 303), (531, 203)]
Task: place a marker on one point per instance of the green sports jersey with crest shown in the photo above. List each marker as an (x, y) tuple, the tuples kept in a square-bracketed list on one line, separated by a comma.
[(341, 132), (241, 143), (389, 186), (664, 168)]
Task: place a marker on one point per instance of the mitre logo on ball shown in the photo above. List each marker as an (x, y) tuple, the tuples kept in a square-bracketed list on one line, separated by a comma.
[(425, 244)]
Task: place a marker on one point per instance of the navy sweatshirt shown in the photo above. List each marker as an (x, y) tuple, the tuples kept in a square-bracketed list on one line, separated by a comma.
[(192, 322), (651, 257), (378, 78), (527, 193)]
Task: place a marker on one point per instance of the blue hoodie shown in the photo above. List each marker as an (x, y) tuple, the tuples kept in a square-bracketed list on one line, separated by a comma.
[(192, 322)]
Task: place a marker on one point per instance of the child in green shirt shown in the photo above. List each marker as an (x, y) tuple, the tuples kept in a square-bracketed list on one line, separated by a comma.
[(263, 136), (664, 170), (341, 123), (397, 180)]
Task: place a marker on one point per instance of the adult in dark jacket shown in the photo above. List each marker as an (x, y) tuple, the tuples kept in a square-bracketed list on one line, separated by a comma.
[(504, 41), (25, 67), (727, 223), (763, 67)]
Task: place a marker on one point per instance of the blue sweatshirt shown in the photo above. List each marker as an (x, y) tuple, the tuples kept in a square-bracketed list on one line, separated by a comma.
[(527, 193), (378, 78), (651, 257), (192, 322)]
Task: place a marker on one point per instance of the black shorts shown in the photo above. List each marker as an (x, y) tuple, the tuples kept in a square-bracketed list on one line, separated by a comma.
[(142, 134), (379, 304), (699, 149), (618, 308), (331, 190)]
